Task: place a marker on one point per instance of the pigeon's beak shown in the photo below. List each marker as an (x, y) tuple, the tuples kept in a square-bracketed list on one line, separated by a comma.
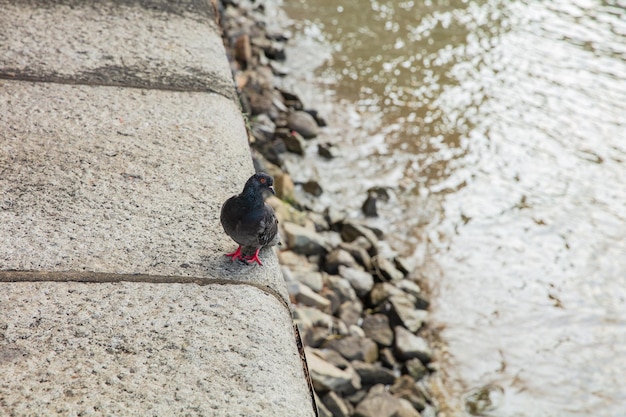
[(271, 188)]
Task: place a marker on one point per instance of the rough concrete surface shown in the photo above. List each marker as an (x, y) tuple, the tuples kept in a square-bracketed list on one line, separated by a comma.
[(139, 349), (120, 180), (149, 43), (120, 138)]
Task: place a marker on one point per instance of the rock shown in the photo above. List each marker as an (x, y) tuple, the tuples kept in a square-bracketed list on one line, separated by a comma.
[(243, 51), (304, 241), (321, 408), (355, 348), (406, 388), (337, 405), (333, 239), (372, 373), (387, 358), (313, 187), (294, 261), (316, 336), (262, 128), (334, 358), (327, 150), (386, 270), (404, 309), (341, 287), (406, 409), (350, 312), (382, 291), (311, 279), (369, 206), (378, 405), (327, 377), (358, 252), (285, 212), (405, 265), (321, 122), (351, 230), (334, 217), (377, 328), (294, 142), (309, 297), (318, 220), (415, 368), (284, 187), (355, 330), (309, 317), (410, 346), (361, 281), (304, 124), (410, 287), (339, 257), (275, 51)]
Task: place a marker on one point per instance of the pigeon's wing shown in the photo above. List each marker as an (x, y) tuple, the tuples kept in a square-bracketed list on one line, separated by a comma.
[(268, 227)]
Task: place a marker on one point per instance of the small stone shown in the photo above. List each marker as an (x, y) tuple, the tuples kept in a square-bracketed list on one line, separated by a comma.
[(355, 330), (410, 287), (262, 128), (327, 150), (369, 206), (325, 376), (284, 187), (377, 328), (310, 298), (387, 358), (386, 270), (406, 388), (361, 281), (337, 405), (406, 312), (294, 142), (313, 187), (339, 257), (311, 279), (304, 241), (341, 287), (358, 252), (355, 348), (406, 409), (415, 368), (410, 346), (382, 291), (378, 405), (310, 317), (372, 373), (304, 124), (321, 408), (318, 220), (243, 51), (350, 312), (351, 230)]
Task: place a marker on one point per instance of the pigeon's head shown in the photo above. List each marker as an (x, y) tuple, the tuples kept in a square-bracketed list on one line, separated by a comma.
[(261, 182)]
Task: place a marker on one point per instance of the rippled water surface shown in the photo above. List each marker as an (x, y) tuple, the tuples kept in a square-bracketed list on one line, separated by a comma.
[(501, 128)]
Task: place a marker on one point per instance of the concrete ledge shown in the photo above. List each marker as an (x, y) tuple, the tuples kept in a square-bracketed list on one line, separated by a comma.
[(125, 349), (150, 44), (119, 180)]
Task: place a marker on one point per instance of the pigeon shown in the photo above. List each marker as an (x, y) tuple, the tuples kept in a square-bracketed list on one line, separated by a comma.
[(249, 220)]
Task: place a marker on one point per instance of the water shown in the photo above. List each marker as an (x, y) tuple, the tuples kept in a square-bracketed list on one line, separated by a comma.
[(500, 127)]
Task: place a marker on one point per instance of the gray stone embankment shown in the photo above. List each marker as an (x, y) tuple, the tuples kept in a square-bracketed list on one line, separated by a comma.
[(120, 137), (361, 312)]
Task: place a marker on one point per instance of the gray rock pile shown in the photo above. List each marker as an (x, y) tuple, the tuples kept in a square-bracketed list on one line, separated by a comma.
[(359, 311)]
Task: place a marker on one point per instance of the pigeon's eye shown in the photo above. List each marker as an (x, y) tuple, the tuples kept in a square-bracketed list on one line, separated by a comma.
[(262, 180)]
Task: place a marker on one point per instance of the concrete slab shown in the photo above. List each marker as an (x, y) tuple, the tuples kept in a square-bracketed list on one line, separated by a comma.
[(141, 43), (124, 181), (141, 349)]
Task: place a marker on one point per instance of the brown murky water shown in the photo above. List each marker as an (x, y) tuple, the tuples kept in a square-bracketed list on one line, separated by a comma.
[(500, 127)]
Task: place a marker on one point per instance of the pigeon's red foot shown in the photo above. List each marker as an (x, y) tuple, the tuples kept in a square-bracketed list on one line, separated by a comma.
[(235, 255), (254, 258)]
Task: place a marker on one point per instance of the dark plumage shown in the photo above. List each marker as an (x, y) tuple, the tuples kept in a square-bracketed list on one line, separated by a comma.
[(249, 220)]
